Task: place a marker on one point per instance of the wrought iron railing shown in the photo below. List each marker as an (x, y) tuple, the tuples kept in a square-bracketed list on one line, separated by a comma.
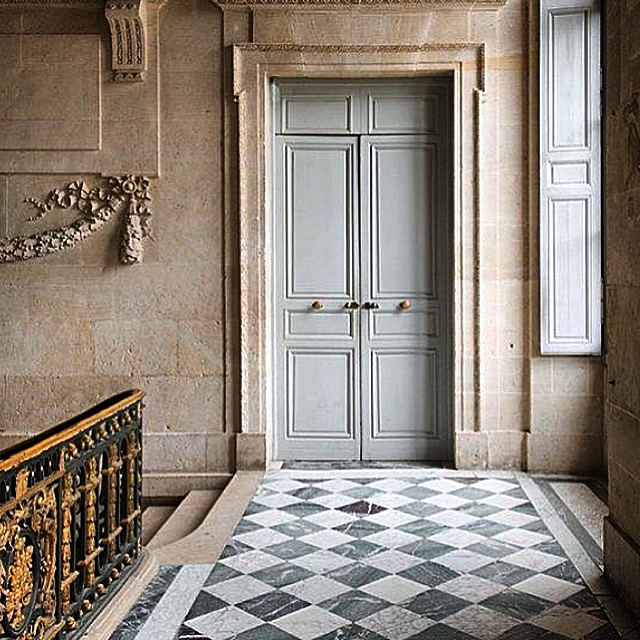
[(70, 519)]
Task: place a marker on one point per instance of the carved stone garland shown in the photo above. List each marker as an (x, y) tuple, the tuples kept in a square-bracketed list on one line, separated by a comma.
[(128, 195)]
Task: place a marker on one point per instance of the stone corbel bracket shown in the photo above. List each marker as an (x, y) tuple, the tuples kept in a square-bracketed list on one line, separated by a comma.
[(127, 196), (127, 22)]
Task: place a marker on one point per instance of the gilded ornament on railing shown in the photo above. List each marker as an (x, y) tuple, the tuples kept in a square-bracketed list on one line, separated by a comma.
[(127, 196), (53, 506)]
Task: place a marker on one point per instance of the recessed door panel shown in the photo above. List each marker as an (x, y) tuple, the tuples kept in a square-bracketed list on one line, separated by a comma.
[(403, 197), (319, 217), (397, 411), (320, 406)]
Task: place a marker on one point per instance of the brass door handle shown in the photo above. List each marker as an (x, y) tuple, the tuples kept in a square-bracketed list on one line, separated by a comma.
[(405, 305), (371, 305), (317, 305), (352, 305)]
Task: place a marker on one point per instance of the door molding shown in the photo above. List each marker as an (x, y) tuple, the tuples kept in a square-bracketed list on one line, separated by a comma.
[(253, 67)]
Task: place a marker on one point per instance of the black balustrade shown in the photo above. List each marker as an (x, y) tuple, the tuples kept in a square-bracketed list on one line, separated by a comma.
[(70, 519)]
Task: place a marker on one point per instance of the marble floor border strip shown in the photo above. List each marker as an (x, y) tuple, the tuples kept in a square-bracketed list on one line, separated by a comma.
[(171, 610), (575, 526), (588, 569)]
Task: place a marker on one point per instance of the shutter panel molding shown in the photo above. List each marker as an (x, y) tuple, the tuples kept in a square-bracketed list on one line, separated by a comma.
[(570, 208)]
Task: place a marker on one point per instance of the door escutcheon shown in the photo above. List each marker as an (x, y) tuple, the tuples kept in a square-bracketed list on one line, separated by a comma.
[(352, 305), (317, 305), (405, 305), (371, 305)]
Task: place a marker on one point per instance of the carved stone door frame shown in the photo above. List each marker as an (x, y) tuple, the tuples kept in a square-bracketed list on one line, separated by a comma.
[(254, 65)]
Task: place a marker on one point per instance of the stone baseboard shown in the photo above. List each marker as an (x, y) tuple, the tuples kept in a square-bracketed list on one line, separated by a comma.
[(573, 453), (157, 484), (622, 563)]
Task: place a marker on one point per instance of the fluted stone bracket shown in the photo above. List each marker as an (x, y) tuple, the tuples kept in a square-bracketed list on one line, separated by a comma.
[(127, 196), (127, 22)]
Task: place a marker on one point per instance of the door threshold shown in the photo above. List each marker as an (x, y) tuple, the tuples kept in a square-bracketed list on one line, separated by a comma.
[(328, 465)]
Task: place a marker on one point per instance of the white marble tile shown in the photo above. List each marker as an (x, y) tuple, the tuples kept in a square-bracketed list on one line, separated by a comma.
[(262, 538), (443, 485), (326, 539), (457, 538), (391, 484), (511, 518), (574, 623), (502, 502), (322, 561), (522, 537), (394, 589), (452, 518), (392, 561), (277, 500), (224, 623), (392, 538), (270, 518), (463, 561), (446, 501), (396, 623), (533, 559), (471, 588), (480, 622), (316, 589), (548, 587), (390, 500), (309, 623), (238, 589), (495, 485), (392, 518), (330, 519), (250, 561)]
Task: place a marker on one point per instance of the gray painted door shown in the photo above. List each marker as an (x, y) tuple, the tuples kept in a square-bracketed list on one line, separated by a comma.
[(361, 275)]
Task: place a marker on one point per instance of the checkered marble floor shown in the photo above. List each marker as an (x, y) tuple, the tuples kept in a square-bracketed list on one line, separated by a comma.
[(393, 558)]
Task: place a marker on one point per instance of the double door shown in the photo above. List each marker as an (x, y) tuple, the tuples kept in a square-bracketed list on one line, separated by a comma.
[(361, 273)]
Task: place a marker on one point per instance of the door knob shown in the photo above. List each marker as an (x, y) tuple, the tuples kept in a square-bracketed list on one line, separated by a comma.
[(371, 305), (405, 305), (317, 305), (352, 305)]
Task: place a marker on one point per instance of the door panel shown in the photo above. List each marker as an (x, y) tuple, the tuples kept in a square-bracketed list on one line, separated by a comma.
[(320, 406), (397, 411), (319, 218), (404, 366), (402, 188), (317, 351)]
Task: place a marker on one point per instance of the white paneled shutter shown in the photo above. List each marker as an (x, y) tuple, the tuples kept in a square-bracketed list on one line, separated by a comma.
[(570, 212)]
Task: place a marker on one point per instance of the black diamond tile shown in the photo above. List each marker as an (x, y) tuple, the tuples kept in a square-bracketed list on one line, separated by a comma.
[(204, 603), (517, 493), (424, 528), (355, 605), (551, 546), (521, 606), (290, 549), (486, 528), (503, 573), (265, 632), (362, 508), (565, 571), (360, 528), (583, 600), (246, 526), (356, 575), (254, 507), (360, 493), (303, 509), (220, 573), (436, 605), (297, 528), (493, 548), (529, 632), (185, 632), (537, 526), (426, 549), (234, 548), (352, 632), (358, 549), (272, 605), (418, 493), (479, 510), (527, 509), (309, 493), (420, 509), (471, 493), (429, 573), (282, 574), (441, 631)]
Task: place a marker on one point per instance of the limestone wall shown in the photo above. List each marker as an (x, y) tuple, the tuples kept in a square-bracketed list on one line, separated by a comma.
[(78, 326), (622, 405)]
